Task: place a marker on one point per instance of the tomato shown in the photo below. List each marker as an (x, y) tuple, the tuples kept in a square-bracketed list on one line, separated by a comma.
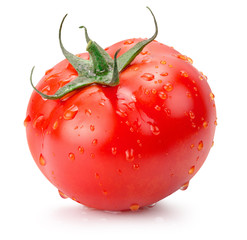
[(125, 146)]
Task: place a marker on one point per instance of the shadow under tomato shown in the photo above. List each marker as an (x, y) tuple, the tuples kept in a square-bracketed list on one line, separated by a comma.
[(78, 214)]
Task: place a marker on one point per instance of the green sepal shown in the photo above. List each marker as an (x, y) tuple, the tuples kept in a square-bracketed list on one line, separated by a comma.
[(125, 59), (100, 68)]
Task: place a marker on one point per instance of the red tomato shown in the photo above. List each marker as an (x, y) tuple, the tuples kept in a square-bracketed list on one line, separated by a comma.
[(126, 146)]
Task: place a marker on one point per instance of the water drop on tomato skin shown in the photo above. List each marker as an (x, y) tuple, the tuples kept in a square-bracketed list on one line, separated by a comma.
[(95, 142), (192, 169), (164, 74), (168, 87), (129, 42), (154, 129), (184, 74), (200, 146), (88, 112), (136, 166), (70, 113), (27, 120), (211, 96), (42, 161), (205, 124), (62, 195), (46, 89), (55, 125), (162, 95), (134, 207), (38, 121), (114, 150), (71, 156), (81, 149), (185, 186), (129, 155), (148, 76)]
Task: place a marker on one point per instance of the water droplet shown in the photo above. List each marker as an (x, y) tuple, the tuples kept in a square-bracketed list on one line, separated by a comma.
[(193, 125), (146, 92), (104, 192), (211, 96), (167, 111), (155, 130), (55, 125), (95, 141), (139, 143), (144, 52), (185, 186), (158, 108), (42, 161), (70, 113), (134, 207), (189, 60), (63, 82), (88, 112), (81, 149), (184, 74), (38, 121), (183, 57), (27, 120), (127, 123), (146, 60), (148, 76), (163, 62), (151, 205), (168, 87), (192, 169), (62, 195), (188, 94), (114, 150), (200, 146), (153, 91), (162, 95), (128, 42), (129, 155), (205, 124), (71, 156), (102, 102), (121, 113), (136, 166), (191, 115), (203, 76), (46, 89), (164, 74), (92, 128), (96, 175)]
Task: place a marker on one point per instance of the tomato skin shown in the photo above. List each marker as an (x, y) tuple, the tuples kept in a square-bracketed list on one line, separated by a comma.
[(134, 144)]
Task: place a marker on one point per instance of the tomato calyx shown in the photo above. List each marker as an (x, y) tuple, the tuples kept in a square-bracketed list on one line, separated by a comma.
[(100, 68)]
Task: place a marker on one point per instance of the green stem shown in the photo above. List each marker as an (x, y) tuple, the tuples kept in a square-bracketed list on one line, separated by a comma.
[(100, 69)]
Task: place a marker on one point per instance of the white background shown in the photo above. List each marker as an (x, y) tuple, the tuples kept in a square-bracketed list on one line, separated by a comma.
[(212, 33)]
